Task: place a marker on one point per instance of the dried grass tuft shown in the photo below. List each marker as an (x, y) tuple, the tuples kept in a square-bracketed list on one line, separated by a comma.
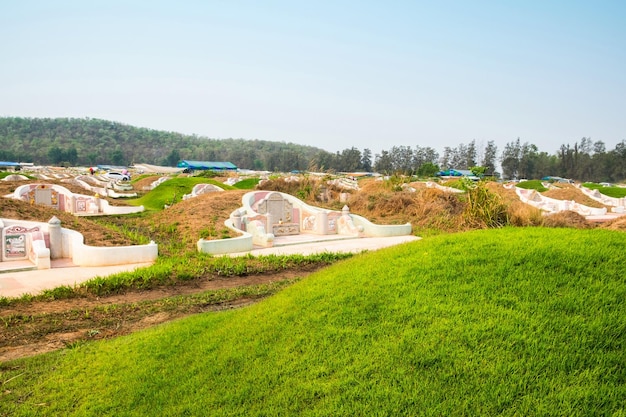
[(566, 219)]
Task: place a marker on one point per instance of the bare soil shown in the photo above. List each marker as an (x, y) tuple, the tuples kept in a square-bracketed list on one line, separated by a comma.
[(571, 193), (39, 327)]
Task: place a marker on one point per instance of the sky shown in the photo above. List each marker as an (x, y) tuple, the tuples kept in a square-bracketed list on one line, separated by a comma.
[(331, 74)]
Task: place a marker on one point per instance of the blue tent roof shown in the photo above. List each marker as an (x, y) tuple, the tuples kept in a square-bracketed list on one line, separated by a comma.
[(207, 165), (455, 173)]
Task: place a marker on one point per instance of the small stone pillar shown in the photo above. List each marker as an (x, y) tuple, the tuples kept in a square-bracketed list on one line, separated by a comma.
[(269, 227), (56, 239), (345, 211), (236, 218), (321, 223)]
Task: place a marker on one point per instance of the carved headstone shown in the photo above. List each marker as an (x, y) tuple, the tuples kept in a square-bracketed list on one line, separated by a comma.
[(279, 208)]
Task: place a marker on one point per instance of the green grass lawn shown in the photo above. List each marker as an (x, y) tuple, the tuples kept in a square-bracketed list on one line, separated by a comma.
[(507, 322), (247, 184), (532, 185), (4, 174), (172, 191), (615, 192)]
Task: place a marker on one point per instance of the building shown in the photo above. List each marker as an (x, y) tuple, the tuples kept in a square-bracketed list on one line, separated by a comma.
[(10, 166), (206, 166), (457, 173)]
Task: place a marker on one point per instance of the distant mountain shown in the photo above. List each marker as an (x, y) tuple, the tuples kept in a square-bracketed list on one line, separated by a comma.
[(71, 141)]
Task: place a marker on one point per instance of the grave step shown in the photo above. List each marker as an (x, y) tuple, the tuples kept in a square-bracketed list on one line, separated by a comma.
[(309, 239), (8, 269)]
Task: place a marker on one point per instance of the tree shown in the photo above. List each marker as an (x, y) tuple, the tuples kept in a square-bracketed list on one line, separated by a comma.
[(55, 155), (528, 158), (470, 155), (489, 158), (427, 169), (350, 160), (117, 157), (173, 158), (71, 155), (366, 160), (445, 162), (618, 161), (511, 159), (402, 160), (383, 163)]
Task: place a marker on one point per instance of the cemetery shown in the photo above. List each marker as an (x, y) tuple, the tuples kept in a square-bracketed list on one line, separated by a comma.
[(266, 216), (39, 244)]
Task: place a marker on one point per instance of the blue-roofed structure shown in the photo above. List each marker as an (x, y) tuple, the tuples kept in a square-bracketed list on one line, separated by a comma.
[(207, 165), (15, 166), (451, 173)]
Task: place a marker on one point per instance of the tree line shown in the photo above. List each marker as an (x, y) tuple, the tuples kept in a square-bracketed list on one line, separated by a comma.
[(72, 141), (584, 160)]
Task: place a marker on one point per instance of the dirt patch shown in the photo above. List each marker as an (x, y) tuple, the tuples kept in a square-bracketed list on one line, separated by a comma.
[(145, 183), (570, 193), (38, 327), (203, 215)]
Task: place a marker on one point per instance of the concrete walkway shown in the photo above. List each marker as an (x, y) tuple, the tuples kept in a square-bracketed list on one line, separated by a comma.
[(14, 283), (311, 244)]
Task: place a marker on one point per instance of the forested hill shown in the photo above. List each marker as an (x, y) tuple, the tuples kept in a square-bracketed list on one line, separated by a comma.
[(71, 141)]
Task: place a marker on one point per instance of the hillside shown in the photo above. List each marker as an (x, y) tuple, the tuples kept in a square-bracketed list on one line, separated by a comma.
[(498, 322), (93, 141)]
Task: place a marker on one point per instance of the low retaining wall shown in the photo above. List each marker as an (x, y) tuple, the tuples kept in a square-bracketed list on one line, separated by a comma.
[(66, 243), (535, 199), (375, 230), (84, 255)]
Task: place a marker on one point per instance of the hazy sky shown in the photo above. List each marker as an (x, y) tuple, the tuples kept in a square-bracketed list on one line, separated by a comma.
[(333, 74)]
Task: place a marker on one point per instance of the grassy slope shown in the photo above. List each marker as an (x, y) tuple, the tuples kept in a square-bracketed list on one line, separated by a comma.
[(511, 322), (172, 191), (532, 185), (616, 192)]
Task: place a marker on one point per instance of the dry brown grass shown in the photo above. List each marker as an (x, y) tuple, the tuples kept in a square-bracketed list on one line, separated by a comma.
[(566, 219), (617, 224), (307, 188), (571, 193), (426, 208), (520, 214), (429, 211)]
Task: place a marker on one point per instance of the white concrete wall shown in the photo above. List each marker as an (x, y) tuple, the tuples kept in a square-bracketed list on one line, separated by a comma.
[(241, 243), (73, 247), (83, 255), (376, 230), (109, 209), (535, 199)]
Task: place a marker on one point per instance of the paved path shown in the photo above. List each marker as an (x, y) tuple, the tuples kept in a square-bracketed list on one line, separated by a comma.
[(14, 284), (307, 245)]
